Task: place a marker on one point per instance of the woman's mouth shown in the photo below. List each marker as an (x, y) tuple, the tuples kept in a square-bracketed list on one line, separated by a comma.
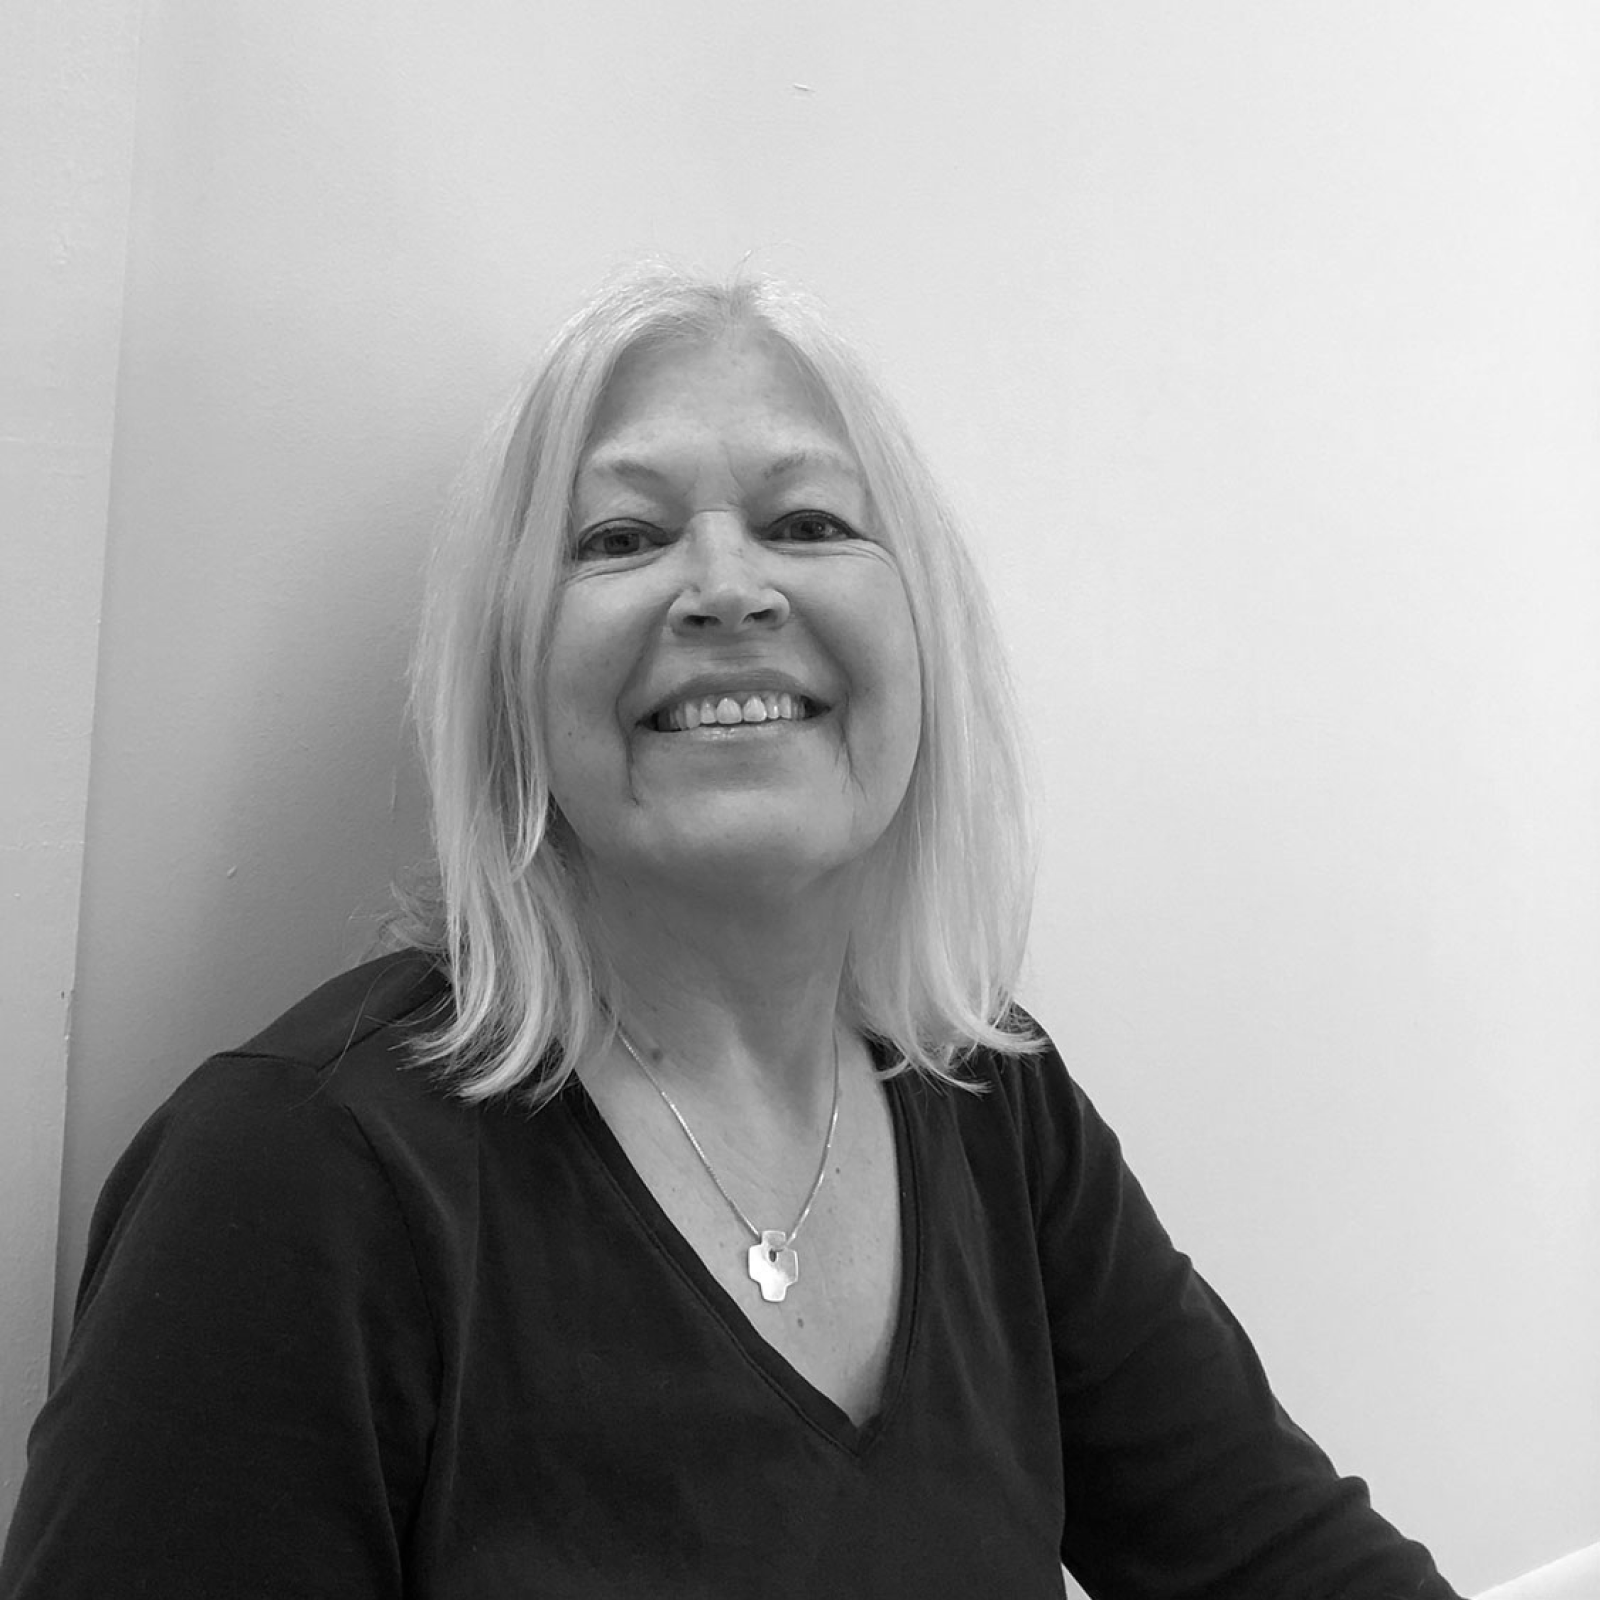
[(732, 710)]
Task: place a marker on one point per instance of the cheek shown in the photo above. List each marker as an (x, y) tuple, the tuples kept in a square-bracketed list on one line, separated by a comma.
[(584, 675), (896, 641), (892, 666), (586, 666)]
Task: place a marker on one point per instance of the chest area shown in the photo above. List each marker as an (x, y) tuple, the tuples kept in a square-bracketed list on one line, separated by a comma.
[(824, 1298), (626, 1393)]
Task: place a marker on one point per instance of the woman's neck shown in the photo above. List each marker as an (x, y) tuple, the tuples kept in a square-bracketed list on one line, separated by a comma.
[(739, 996)]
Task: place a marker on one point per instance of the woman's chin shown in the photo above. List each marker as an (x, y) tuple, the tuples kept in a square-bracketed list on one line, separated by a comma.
[(753, 859)]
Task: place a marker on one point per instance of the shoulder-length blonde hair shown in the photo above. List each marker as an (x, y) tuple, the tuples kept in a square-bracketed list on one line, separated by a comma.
[(933, 959)]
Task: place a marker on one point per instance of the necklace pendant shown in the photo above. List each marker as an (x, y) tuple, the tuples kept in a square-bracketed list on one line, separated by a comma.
[(774, 1266)]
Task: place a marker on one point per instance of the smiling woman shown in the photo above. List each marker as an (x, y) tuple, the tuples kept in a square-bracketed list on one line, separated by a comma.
[(680, 445), (748, 568), (744, 1237)]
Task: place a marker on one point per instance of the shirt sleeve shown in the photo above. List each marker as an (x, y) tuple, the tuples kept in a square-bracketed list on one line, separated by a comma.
[(245, 1400), (1184, 1476)]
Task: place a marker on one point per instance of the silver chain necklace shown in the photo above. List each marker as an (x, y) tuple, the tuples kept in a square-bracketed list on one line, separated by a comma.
[(773, 1265)]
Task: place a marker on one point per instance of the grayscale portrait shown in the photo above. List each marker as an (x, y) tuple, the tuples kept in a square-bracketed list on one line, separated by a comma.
[(800, 803)]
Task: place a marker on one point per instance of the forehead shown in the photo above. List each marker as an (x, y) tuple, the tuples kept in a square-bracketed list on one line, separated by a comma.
[(743, 393)]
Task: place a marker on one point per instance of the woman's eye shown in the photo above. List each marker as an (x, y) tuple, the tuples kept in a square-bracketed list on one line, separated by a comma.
[(811, 527), (616, 539)]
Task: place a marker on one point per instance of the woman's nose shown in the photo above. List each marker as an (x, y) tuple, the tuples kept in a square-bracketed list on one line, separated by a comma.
[(726, 587)]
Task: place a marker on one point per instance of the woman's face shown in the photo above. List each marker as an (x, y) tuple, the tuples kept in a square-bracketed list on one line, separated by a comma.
[(732, 686)]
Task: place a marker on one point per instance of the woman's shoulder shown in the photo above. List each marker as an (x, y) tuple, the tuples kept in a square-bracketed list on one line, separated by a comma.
[(258, 1324), (1030, 1086), (1024, 1110), (377, 1004), (347, 1045), (304, 1117)]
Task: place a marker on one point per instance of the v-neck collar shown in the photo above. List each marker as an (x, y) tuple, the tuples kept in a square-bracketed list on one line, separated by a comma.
[(662, 1233)]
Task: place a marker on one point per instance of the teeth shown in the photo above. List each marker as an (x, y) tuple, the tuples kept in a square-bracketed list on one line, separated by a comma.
[(728, 711)]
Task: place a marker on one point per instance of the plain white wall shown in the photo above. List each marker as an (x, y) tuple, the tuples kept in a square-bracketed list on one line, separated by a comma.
[(1257, 342), (66, 126), (1320, 710)]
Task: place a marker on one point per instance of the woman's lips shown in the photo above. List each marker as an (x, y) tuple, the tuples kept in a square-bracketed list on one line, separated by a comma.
[(733, 709)]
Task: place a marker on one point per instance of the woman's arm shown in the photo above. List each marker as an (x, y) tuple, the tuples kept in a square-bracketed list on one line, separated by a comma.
[(1184, 1476), (244, 1406)]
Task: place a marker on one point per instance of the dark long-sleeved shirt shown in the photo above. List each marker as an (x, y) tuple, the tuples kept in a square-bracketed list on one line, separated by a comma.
[(342, 1335)]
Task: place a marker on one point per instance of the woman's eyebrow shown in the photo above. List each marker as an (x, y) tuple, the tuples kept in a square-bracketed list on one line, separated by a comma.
[(628, 468), (797, 460), (633, 470)]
